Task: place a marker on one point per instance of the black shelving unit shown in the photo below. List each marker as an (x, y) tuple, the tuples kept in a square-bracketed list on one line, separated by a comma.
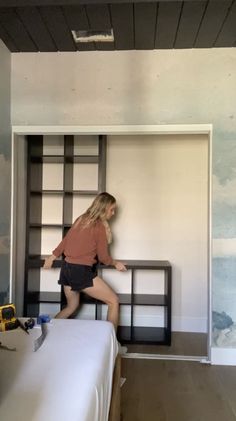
[(35, 193), (147, 334), (126, 334)]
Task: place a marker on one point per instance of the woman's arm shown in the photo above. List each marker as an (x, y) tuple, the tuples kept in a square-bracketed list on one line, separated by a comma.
[(119, 266), (102, 250), (49, 261), (56, 253)]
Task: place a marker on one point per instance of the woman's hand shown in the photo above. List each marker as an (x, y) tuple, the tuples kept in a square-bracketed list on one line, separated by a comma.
[(49, 261), (120, 266)]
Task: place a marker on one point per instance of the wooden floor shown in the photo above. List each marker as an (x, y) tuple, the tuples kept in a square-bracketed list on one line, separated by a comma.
[(164, 390)]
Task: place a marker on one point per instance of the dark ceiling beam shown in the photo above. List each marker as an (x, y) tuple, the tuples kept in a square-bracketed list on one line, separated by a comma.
[(23, 3)]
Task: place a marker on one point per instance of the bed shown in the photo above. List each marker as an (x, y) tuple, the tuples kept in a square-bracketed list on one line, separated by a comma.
[(70, 377)]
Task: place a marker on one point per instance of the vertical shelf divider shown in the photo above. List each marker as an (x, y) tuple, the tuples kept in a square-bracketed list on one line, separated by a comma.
[(132, 307), (33, 214)]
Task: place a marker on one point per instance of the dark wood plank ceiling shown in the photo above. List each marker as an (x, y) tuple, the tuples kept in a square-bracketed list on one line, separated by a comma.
[(46, 25)]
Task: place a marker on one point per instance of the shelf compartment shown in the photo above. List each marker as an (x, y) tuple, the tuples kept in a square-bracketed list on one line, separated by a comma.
[(86, 145), (57, 181), (150, 300), (143, 335), (124, 334)]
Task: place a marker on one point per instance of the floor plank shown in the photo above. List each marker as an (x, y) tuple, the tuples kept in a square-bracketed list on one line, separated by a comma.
[(161, 390)]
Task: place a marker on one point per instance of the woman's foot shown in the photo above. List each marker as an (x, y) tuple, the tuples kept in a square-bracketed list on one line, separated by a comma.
[(122, 349)]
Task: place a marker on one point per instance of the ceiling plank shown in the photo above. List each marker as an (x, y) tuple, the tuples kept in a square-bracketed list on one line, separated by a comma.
[(215, 14), (122, 18), (32, 20), (7, 40), (16, 30), (77, 19), (145, 16), (227, 35), (99, 17), (55, 21), (99, 20), (167, 24), (190, 20), (19, 3)]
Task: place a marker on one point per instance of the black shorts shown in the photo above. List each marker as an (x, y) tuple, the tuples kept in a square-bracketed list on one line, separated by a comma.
[(77, 276)]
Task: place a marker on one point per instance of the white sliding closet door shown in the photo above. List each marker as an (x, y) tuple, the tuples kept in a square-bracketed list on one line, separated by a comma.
[(161, 185)]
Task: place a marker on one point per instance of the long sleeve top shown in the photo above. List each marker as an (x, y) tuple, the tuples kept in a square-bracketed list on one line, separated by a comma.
[(82, 244)]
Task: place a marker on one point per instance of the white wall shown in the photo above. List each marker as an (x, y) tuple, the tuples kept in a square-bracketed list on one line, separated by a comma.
[(133, 87)]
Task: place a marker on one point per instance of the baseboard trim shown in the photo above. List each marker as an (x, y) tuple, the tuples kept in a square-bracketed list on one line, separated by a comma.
[(201, 359)]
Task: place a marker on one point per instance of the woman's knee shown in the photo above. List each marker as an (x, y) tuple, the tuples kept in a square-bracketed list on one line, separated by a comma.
[(113, 300)]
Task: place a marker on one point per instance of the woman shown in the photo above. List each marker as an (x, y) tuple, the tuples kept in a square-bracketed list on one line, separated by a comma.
[(88, 237)]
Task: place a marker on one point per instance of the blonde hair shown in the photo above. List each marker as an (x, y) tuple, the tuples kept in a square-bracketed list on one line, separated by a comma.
[(96, 212)]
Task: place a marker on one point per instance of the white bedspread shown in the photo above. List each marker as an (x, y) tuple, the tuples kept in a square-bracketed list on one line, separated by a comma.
[(69, 378)]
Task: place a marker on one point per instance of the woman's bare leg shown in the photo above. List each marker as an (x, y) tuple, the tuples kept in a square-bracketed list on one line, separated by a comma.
[(103, 292), (72, 303)]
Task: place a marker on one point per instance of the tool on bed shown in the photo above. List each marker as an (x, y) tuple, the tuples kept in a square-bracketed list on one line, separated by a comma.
[(22, 326), (8, 320), (42, 320)]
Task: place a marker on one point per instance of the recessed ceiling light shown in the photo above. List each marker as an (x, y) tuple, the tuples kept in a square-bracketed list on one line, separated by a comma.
[(93, 36)]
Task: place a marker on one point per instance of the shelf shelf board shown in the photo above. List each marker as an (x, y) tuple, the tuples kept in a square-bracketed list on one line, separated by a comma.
[(47, 192), (64, 192), (142, 299), (47, 159), (60, 159), (150, 299), (130, 264), (81, 192), (124, 299), (43, 297), (85, 159), (143, 264), (37, 225)]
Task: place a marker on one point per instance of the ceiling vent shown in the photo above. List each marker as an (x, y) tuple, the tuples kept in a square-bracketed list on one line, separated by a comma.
[(93, 36)]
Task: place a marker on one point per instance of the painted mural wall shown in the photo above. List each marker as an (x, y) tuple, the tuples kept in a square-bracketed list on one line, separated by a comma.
[(5, 164), (160, 87)]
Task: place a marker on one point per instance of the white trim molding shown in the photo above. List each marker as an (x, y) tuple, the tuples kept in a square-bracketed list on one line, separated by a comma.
[(116, 130)]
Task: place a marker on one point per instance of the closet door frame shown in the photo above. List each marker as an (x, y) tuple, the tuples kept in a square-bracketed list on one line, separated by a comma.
[(18, 178)]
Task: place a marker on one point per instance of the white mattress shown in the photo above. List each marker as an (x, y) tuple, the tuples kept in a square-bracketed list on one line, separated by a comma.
[(68, 378)]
